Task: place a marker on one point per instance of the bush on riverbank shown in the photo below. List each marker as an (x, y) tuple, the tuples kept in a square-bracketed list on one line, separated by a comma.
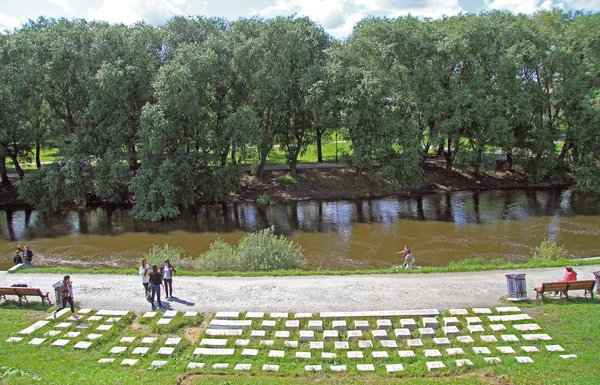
[(549, 251), (259, 251)]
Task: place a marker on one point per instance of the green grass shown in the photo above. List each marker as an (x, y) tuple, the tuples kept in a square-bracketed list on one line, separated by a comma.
[(46, 155), (573, 324), (475, 264)]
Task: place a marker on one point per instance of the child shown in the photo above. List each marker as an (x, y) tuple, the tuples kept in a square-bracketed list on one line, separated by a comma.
[(66, 294), (17, 259)]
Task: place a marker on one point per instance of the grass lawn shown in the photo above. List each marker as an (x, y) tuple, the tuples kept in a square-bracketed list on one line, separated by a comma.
[(575, 325)]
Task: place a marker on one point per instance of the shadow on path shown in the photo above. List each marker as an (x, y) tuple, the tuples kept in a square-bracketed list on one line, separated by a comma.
[(178, 300)]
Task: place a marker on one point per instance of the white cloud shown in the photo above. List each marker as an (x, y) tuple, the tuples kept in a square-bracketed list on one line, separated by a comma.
[(328, 13), (131, 11), (8, 22), (520, 6), (588, 5), (424, 8), (349, 22), (63, 4)]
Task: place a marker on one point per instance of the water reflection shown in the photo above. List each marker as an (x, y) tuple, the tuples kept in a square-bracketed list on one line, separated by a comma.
[(515, 219)]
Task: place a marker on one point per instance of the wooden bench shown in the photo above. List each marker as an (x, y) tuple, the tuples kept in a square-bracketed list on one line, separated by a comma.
[(564, 287), (23, 292)]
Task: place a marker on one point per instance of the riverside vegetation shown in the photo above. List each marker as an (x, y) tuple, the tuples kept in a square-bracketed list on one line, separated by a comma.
[(161, 116), (264, 253)]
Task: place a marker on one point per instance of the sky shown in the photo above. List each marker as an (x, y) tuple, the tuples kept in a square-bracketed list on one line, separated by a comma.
[(338, 17)]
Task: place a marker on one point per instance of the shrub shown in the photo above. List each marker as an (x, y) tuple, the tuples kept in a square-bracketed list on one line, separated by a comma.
[(263, 250), (286, 180), (549, 251), (260, 251), (218, 257), (157, 255), (265, 200)]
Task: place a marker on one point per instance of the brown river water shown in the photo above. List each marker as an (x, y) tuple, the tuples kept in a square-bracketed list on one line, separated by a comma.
[(341, 234)]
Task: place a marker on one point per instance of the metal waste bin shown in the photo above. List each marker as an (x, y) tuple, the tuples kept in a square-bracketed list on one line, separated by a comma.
[(517, 287), (597, 275), (57, 287)]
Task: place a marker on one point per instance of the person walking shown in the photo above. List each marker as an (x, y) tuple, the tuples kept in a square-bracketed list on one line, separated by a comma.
[(155, 284), (166, 271), (144, 272), (27, 254), (66, 295)]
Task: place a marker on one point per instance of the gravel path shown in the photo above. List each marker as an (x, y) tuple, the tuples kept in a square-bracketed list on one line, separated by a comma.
[(301, 294)]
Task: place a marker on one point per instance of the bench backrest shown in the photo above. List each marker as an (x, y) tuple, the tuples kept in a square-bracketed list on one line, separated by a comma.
[(7, 290), (555, 286), (582, 285), (28, 291)]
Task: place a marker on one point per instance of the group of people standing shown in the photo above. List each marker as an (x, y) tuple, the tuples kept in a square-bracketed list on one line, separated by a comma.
[(27, 255), (153, 279)]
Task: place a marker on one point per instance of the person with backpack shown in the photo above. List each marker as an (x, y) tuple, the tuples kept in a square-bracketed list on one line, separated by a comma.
[(166, 271), (66, 295)]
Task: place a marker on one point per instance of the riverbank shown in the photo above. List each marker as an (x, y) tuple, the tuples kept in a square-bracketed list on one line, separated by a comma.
[(464, 266), (338, 181), (302, 294)]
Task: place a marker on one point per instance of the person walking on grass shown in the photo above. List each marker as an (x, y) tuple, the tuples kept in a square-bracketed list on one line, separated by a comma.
[(166, 271), (145, 274), (66, 295), (155, 284)]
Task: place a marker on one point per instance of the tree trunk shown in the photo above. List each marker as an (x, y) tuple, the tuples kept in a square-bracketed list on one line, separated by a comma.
[(38, 162), (319, 148), (261, 166), (440, 150), (3, 173), (224, 157), (233, 155), (431, 124), (17, 165), (358, 171), (509, 159)]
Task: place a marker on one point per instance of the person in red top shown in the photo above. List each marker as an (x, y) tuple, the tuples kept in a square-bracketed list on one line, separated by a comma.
[(570, 275)]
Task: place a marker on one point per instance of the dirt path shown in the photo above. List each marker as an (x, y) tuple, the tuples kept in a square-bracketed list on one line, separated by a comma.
[(301, 294)]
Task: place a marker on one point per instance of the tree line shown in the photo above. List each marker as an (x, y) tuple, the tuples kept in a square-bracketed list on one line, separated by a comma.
[(165, 113)]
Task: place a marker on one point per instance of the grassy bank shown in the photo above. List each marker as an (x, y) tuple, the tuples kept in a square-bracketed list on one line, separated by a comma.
[(574, 324), (468, 265)]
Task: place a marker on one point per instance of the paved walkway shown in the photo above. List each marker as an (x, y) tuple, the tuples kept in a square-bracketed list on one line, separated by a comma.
[(301, 294)]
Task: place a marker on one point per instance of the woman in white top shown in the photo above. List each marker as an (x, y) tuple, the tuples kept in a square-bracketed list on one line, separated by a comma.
[(145, 273), (167, 271)]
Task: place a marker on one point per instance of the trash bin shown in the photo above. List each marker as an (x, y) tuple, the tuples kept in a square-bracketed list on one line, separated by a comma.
[(57, 287), (597, 275), (517, 287)]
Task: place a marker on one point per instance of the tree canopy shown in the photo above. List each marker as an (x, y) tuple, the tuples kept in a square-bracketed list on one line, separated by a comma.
[(164, 114)]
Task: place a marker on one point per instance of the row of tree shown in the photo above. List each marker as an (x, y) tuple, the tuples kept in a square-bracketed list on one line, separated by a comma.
[(166, 112)]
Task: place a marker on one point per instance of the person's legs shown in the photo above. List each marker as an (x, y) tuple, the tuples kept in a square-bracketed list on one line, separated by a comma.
[(63, 304), (168, 287), (146, 286), (27, 262), (153, 291), (158, 295)]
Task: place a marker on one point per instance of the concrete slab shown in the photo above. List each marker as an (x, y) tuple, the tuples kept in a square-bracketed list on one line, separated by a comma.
[(149, 314), (426, 332), (214, 342), (313, 368), (379, 334), (354, 354), (441, 341), (406, 353), (475, 329), (113, 313), (414, 343), (509, 338), (408, 323), (530, 349), (384, 324), (354, 335), (385, 313), (330, 334), (258, 334), (451, 321), (506, 350), (303, 315), (129, 362), (365, 344), (279, 315), (190, 314), (527, 327), (492, 360), (303, 355), (341, 345), (458, 311), (15, 339), (172, 341), (72, 334), (497, 327), (164, 321), (93, 336), (361, 325), (230, 324), (481, 350), (317, 345), (450, 330), (242, 342), (473, 320), (36, 341), (268, 325), (213, 352), (267, 343), (431, 322), (524, 360), (82, 345), (140, 351), (158, 364), (255, 314), (117, 350), (225, 314), (465, 339), (389, 344), (276, 354), (164, 351), (328, 356), (432, 353), (315, 325), (148, 340), (307, 335), (106, 360), (290, 344), (195, 365), (63, 325), (380, 354), (365, 368), (393, 368), (338, 368), (244, 367), (554, 348), (270, 368), (339, 325), (104, 328), (509, 318), (282, 334), (249, 352), (488, 338), (454, 351), (460, 363), (223, 332), (481, 310), (536, 337), (435, 365), (52, 333), (292, 324), (60, 343)]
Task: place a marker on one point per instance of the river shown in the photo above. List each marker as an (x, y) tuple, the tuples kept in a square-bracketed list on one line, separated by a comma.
[(341, 234)]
